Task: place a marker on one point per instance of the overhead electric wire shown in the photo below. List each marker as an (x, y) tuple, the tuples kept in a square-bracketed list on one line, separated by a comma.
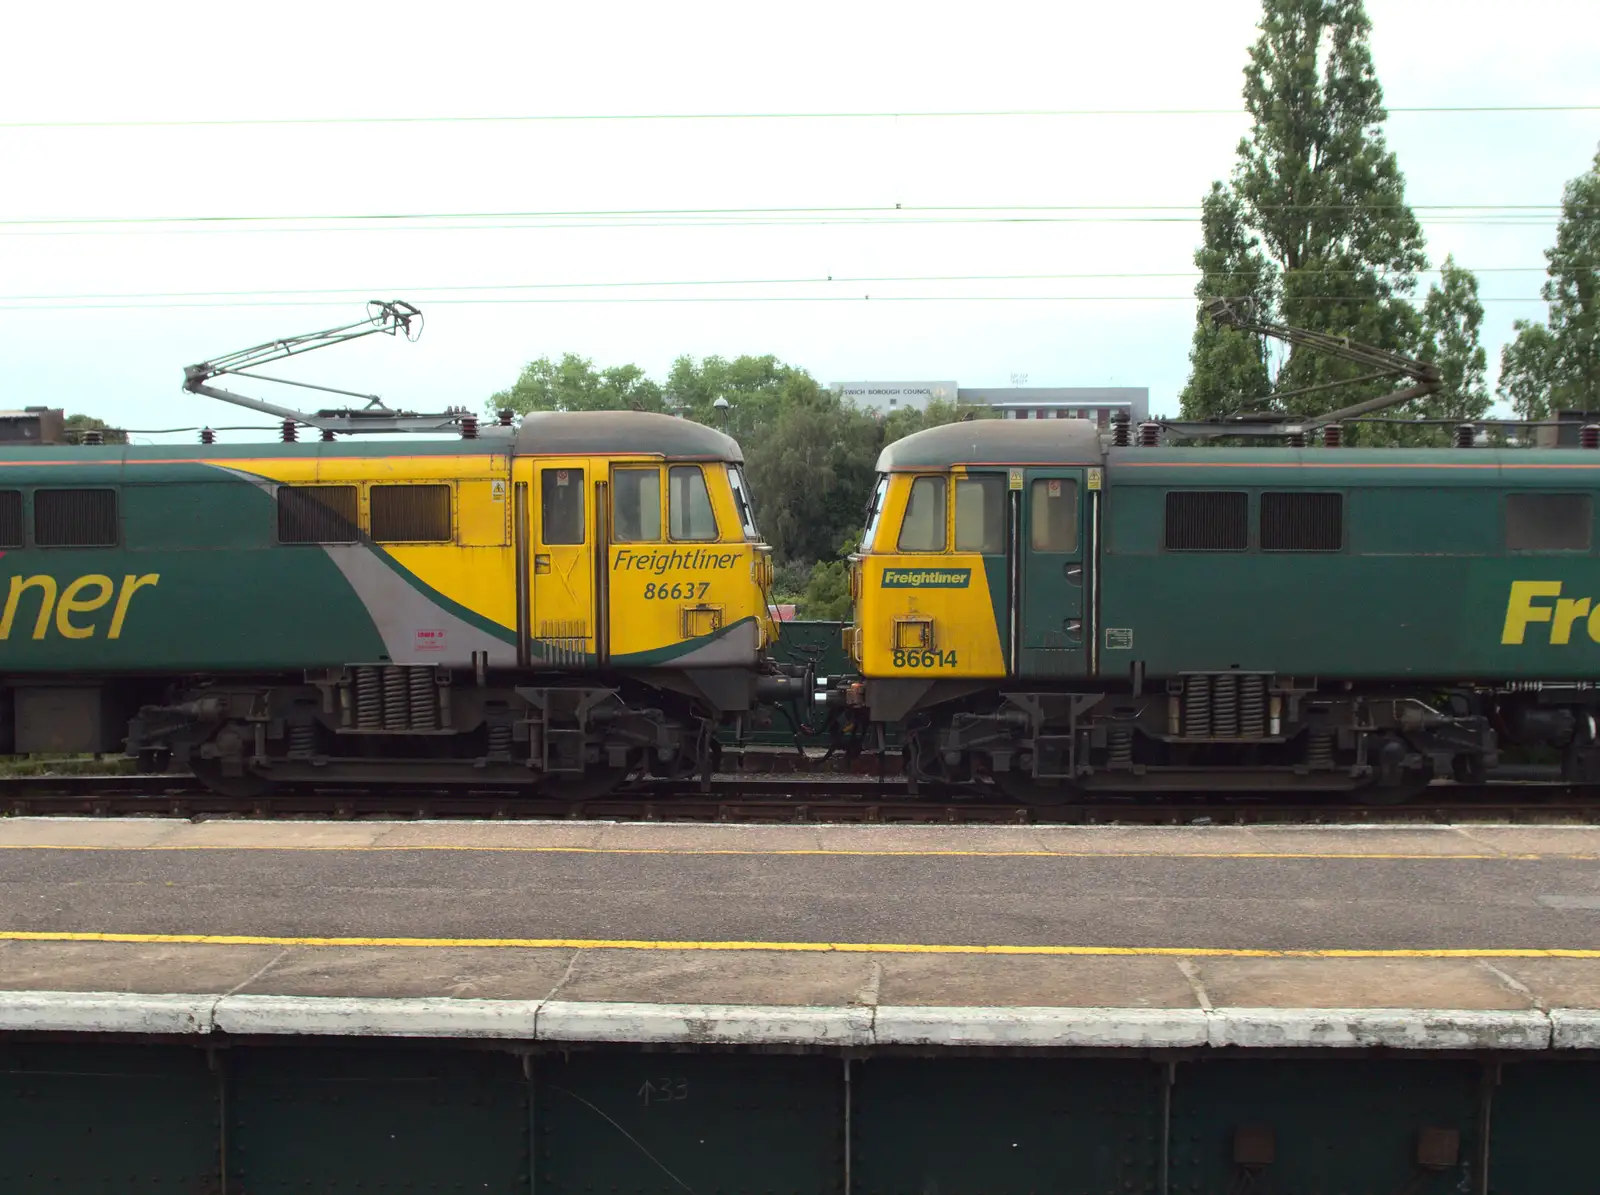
[(806, 280), (523, 301), (1515, 210), (619, 117), (889, 219)]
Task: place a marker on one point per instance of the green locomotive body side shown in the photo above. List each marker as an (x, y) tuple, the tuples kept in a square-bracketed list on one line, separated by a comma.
[(195, 579), (1422, 584)]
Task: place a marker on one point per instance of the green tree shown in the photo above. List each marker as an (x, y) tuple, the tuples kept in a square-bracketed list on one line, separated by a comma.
[(1556, 365), (1527, 369), (573, 384), (812, 467), (85, 423), (1452, 317), (827, 593), (1314, 225), (754, 389), (809, 467), (1228, 369)]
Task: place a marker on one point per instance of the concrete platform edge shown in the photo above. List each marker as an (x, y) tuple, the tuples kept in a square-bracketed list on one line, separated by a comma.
[(743, 1025)]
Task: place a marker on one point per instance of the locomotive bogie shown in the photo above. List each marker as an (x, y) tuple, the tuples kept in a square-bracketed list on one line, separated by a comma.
[(377, 723)]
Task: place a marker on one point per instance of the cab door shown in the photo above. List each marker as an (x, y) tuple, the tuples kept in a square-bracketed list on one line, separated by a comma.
[(561, 534), (1055, 582)]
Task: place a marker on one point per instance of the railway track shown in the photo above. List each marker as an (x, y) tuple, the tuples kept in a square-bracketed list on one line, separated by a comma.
[(792, 799)]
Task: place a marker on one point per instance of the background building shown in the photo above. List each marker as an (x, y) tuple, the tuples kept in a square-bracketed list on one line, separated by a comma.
[(892, 396), (1061, 402), (1012, 402)]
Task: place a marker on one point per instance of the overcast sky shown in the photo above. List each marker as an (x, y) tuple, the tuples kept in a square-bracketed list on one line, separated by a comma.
[(512, 204)]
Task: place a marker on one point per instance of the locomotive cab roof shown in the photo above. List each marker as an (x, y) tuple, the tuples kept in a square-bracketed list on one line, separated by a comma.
[(996, 442), (622, 433)]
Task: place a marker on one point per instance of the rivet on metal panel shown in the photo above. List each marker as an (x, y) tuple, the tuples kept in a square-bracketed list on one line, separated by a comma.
[(1254, 1145), (1438, 1149)]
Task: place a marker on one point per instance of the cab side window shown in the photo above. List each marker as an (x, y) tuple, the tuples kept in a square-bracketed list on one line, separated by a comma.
[(747, 518), (874, 513), (689, 504), (636, 505), (924, 527), (561, 506), (1055, 514), (981, 514)]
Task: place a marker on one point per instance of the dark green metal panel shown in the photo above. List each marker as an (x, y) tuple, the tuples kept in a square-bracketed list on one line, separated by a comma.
[(111, 1119), (1055, 584), (1421, 587), (196, 562), (1349, 1127), (816, 643), (698, 1122), (1542, 1130), (391, 1119), (997, 1125)]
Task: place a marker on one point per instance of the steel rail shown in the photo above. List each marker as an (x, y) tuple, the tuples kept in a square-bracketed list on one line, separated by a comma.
[(787, 799)]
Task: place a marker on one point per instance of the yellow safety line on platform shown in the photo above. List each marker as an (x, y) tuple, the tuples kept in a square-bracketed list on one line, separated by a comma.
[(315, 848), (791, 947)]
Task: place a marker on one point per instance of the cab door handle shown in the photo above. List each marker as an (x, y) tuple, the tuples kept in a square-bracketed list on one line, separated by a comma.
[(541, 562), (1074, 573)]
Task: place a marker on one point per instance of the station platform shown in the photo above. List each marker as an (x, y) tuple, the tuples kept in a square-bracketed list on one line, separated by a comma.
[(1022, 938)]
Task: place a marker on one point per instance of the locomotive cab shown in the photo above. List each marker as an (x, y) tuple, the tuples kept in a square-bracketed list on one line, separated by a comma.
[(978, 561), (641, 548)]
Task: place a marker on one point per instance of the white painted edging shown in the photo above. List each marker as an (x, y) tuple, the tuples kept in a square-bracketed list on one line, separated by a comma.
[(1394, 1028), (746, 1025), (704, 1024), (1575, 1028), (349, 1016), (1151, 1028), (105, 1012)]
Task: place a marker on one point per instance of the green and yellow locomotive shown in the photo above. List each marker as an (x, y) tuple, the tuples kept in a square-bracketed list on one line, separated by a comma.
[(1038, 609), (579, 600)]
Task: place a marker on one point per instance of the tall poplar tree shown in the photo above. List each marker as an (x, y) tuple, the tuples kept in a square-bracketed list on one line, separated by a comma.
[(1555, 365), (1314, 223), (1452, 318)]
